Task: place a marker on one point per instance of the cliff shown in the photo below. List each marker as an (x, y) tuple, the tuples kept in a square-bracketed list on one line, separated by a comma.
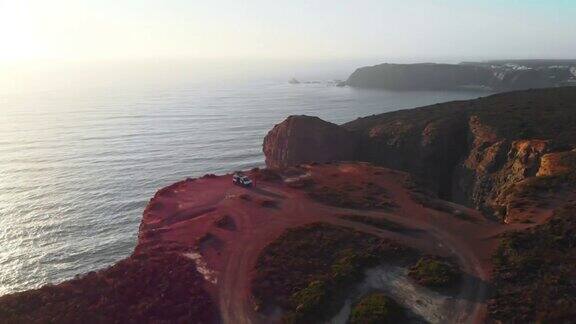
[(496, 76), (471, 152), (324, 141)]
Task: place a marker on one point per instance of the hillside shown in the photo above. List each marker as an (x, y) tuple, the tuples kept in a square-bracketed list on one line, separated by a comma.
[(471, 152)]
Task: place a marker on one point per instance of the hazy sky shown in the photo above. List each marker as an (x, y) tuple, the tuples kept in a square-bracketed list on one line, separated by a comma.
[(333, 29)]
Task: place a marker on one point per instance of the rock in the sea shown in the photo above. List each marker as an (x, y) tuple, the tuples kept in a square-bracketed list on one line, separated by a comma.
[(300, 139)]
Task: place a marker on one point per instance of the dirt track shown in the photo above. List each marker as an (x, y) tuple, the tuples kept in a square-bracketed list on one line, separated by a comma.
[(190, 210)]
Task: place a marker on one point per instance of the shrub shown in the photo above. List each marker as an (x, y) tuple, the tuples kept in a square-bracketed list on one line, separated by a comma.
[(431, 272), (376, 308), (308, 271), (345, 268), (321, 297), (310, 300)]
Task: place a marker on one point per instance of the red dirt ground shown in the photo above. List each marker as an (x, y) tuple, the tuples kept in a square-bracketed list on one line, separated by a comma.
[(189, 213)]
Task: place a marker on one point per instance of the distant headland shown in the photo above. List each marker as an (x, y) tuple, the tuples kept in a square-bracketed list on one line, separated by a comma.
[(499, 76)]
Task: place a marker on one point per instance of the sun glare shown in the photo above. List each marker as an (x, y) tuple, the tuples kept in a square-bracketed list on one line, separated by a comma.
[(17, 32)]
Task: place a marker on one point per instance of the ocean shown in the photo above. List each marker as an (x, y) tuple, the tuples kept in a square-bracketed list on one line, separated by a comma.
[(79, 163)]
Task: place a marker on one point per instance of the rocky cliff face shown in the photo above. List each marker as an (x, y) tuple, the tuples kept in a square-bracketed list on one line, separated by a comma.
[(305, 139), (470, 152)]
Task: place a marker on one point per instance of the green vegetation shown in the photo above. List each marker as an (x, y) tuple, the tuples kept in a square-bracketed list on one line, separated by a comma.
[(310, 298), (535, 271), (431, 272), (376, 308), (309, 270), (323, 296), (380, 223)]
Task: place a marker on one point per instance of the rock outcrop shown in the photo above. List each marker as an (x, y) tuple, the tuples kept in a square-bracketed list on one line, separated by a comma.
[(300, 139), (471, 152), (557, 163)]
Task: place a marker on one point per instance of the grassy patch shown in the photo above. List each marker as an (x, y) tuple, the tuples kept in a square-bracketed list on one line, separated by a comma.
[(435, 273), (376, 308)]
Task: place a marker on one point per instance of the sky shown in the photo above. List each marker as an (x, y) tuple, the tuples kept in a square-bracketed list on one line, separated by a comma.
[(84, 30)]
